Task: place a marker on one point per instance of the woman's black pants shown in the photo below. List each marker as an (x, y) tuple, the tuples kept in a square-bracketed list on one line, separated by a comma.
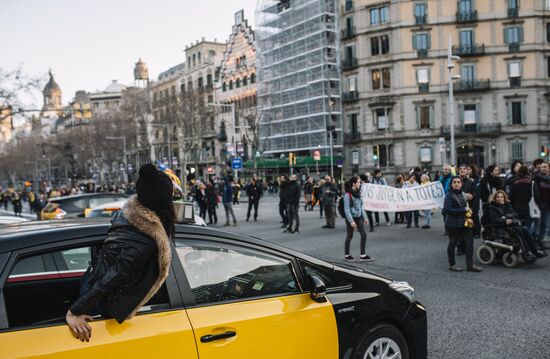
[(456, 235), (361, 229)]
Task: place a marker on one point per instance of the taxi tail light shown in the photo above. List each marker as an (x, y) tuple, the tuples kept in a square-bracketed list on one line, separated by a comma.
[(114, 209)]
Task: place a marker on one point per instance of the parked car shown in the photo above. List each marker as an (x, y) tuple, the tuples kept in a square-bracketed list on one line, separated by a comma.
[(108, 210), (227, 296), (78, 205), (12, 219)]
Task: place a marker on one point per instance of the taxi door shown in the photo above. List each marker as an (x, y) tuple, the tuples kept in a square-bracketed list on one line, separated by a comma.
[(248, 304), (35, 292)]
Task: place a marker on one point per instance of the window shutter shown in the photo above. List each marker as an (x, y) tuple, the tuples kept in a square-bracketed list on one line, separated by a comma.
[(432, 125), (523, 110), (509, 112), (429, 41), (520, 33), (505, 31), (417, 117), (414, 42)]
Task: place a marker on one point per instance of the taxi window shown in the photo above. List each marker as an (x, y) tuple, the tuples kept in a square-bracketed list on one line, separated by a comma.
[(219, 272), (330, 279), (98, 201)]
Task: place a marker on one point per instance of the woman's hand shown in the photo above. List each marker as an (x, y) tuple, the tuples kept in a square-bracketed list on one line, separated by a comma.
[(79, 325), (509, 221)]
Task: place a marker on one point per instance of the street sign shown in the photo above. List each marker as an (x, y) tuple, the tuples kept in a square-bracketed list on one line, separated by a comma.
[(340, 163), (355, 157), (237, 163), (317, 155)]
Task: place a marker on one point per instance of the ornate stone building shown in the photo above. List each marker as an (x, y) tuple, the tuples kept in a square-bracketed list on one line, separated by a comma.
[(237, 87), (395, 81)]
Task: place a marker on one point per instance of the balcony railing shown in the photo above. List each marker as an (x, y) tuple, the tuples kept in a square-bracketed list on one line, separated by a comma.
[(466, 16), (513, 47), (421, 19), (422, 53), (515, 81), (353, 137), (490, 129), (472, 85), (348, 33), (469, 50), (349, 63), (350, 96), (208, 133), (513, 13)]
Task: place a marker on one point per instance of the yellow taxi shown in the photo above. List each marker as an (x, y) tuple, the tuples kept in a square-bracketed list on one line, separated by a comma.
[(78, 205), (227, 296)]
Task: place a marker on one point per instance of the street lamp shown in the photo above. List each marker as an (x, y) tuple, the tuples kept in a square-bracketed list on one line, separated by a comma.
[(165, 125), (450, 67), (124, 150)]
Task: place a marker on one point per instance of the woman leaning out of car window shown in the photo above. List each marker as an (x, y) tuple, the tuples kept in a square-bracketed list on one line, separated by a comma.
[(458, 226), (134, 260)]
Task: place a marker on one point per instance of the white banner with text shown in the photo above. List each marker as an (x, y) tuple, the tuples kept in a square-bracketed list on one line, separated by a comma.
[(378, 198)]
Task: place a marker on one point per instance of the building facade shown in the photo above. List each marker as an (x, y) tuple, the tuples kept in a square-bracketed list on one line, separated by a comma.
[(237, 87), (298, 77), (396, 92)]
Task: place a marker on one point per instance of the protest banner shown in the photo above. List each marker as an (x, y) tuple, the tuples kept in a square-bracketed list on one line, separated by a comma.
[(378, 198)]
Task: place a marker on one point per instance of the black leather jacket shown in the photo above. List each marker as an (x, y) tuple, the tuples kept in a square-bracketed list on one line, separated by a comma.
[(123, 272)]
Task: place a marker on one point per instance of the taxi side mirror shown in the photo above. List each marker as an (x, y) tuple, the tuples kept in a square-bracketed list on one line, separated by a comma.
[(317, 289)]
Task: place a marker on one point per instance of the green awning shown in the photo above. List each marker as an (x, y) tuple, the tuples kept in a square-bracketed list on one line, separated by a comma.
[(306, 161)]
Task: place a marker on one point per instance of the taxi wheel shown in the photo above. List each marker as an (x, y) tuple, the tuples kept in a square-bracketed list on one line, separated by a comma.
[(382, 341)]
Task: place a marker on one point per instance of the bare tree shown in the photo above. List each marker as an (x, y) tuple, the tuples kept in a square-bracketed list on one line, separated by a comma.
[(14, 85)]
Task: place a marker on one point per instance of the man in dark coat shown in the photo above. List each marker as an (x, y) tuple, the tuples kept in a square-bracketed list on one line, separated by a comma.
[(254, 192), (542, 198), (293, 194), (329, 192), (469, 188), (282, 201)]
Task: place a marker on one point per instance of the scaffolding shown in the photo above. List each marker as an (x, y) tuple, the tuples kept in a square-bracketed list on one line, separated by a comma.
[(299, 92)]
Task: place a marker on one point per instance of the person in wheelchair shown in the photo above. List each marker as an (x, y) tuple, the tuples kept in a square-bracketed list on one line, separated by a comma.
[(506, 222)]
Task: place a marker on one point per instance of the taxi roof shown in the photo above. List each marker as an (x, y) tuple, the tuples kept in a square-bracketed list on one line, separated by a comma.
[(27, 234)]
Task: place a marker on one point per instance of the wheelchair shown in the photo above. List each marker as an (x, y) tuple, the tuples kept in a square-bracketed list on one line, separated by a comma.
[(504, 246)]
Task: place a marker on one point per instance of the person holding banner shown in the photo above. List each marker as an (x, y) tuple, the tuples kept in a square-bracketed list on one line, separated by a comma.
[(425, 180), (459, 226), (411, 183), (355, 219), (381, 181)]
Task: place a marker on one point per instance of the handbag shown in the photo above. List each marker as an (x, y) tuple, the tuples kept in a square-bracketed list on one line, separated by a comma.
[(534, 210)]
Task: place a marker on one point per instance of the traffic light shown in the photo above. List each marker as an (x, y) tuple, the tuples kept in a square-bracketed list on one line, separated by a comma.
[(375, 153), (544, 151)]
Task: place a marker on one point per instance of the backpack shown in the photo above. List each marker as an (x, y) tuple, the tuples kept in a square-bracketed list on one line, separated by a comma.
[(341, 211)]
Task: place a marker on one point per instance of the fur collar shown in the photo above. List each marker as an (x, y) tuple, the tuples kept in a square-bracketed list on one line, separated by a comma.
[(147, 222)]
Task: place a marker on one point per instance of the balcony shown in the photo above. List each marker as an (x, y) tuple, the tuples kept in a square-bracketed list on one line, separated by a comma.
[(469, 50), (513, 13), (350, 96), (208, 133), (423, 88), (515, 81), (422, 53), (472, 85), (349, 63), (353, 137), (489, 129), (513, 47), (466, 16), (421, 19), (348, 33)]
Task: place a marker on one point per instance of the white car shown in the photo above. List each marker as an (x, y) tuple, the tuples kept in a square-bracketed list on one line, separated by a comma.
[(108, 210), (13, 219)]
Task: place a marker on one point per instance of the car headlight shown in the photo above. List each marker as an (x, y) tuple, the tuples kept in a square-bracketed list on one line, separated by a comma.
[(405, 289)]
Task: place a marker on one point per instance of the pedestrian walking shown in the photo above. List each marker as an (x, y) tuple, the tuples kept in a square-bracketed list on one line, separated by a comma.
[(293, 195), (329, 192), (308, 194), (411, 183), (254, 192), (424, 181), (236, 192), (399, 216), (202, 200), (542, 199), (282, 200), (227, 200), (134, 260), (458, 227), (355, 219), (212, 203), (379, 180), (16, 203)]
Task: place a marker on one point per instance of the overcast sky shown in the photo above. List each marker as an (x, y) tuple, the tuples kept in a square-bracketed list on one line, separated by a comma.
[(89, 43)]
